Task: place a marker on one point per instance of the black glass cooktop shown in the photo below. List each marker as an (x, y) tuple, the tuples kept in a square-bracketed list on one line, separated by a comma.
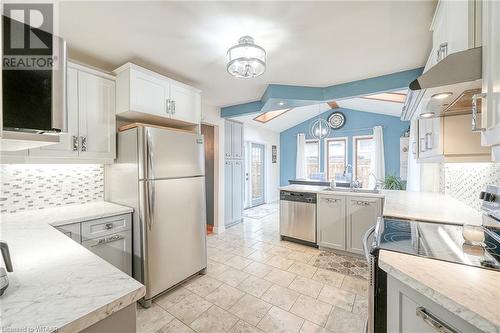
[(439, 241)]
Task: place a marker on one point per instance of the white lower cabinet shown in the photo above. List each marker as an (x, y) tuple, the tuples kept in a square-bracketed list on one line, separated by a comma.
[(343, 220), (91, 118), (362, 214), (331, 221), (109, 238), (411, 312)]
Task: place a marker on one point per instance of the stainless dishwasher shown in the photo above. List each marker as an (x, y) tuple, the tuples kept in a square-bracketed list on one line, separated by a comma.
[(298, 217)]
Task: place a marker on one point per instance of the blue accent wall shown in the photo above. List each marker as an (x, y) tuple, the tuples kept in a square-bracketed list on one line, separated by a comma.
[(393, 128)]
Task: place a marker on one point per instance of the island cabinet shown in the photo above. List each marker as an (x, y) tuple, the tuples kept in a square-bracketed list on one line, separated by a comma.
[(343, 220), (331, 221), (410, 311)]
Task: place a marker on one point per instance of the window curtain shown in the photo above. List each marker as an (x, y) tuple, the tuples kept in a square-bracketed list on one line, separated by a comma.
[(301, 166), (377, 163)]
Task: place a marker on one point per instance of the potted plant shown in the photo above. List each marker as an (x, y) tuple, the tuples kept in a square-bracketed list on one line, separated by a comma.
[(392, 182)]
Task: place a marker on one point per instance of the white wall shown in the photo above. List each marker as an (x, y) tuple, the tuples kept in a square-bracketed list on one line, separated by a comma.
[(211, 115), (267, 138)]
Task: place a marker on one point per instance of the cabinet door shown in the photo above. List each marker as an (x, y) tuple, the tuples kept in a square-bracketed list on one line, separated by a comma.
[(362, 213), (115, 249), (490, 113), (237, 143), (149, 94), (228, 139), (228, 192), (331, 222), (68, 142), (72, 231), (406, 306), (96, 100), (186, 104), (237, 190)]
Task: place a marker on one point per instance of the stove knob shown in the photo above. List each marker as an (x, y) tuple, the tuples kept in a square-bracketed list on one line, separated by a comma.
[(482, 195)]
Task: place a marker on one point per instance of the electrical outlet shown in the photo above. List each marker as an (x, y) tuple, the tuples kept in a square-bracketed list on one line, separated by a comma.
[(66, 187)]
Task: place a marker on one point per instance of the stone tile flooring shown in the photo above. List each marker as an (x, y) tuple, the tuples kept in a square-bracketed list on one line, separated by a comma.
[(257, 283)]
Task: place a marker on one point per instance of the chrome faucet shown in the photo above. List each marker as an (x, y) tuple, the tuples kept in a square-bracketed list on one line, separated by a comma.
[(377, 181), (4, 281), (347, 167)]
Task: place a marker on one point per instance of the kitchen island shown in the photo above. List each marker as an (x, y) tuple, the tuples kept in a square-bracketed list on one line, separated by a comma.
[(57, 284)]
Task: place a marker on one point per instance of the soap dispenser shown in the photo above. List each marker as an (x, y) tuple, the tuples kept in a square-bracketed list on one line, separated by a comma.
[(4, 280)]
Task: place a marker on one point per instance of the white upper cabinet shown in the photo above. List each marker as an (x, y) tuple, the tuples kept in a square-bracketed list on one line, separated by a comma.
[(456, 27), (143, 95), (91, 118), (96, 105), (490, 113)]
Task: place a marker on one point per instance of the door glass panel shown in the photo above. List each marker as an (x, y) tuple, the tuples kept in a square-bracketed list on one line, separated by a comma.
[(257, 173)]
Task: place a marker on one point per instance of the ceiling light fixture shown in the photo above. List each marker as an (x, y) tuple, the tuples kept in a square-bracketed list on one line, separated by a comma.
[(427, 114), (442, 95), (246, 59), (281, 103), (320, 128)]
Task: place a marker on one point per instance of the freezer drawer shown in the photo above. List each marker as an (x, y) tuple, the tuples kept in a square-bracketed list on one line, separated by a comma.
[(115, 249), (298, 220)]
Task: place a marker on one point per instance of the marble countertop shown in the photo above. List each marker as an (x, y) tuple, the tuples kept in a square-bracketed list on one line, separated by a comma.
[(57, 284), (471, 293), (420, 206), (62, 215)]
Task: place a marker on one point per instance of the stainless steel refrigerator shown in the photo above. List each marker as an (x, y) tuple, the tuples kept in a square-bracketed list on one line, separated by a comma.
[(160, 173)]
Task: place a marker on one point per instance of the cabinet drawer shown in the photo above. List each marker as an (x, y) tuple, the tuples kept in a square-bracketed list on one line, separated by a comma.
[(115, 249), (106, 226)]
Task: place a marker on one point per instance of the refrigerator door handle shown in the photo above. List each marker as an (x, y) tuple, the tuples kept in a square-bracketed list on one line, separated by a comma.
[(149, 155), (149, 202)]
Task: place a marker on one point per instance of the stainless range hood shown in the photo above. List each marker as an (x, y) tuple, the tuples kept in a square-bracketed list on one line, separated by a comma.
[(457, 73)]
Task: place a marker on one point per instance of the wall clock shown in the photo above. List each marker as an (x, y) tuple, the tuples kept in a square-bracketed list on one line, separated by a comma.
[(336, 120)]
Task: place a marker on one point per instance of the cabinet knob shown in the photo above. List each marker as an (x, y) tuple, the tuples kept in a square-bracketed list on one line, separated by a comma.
[(108, 226)]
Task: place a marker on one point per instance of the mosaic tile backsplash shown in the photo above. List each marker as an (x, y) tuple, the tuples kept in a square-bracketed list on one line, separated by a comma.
[(464, 181), (28, 186)]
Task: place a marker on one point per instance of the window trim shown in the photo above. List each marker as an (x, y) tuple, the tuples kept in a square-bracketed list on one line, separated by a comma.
[(355, 138), (346, 151), (319, 153)]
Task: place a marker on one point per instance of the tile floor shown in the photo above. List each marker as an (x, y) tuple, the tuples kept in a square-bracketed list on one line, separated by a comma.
[(257, 283)]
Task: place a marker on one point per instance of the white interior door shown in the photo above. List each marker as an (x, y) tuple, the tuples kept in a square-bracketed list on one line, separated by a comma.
[(257, 174)]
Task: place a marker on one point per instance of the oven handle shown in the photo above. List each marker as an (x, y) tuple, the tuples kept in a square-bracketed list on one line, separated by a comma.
[(366, 250)]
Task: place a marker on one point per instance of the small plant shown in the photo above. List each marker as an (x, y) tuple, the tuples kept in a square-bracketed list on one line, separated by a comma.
[(392, 182)]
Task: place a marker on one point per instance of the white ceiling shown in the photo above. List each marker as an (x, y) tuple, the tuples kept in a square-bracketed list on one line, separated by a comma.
[(307, 43)]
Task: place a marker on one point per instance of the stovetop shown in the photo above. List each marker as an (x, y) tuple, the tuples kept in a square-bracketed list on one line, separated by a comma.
[(439, 241)]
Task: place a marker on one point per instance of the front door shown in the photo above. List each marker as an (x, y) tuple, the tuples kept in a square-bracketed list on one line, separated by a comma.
[(257, 174)]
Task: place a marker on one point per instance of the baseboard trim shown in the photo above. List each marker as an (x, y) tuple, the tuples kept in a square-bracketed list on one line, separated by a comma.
[(219, 230)]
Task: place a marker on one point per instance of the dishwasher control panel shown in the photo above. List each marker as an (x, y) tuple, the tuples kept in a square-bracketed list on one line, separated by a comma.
[(298, 196)]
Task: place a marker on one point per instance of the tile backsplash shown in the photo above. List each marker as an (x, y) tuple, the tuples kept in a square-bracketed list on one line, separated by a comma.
[(464, 181), (29, 186)]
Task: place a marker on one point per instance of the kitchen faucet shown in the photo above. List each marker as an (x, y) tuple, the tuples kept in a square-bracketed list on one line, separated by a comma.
[(4, 281), (347, 169)]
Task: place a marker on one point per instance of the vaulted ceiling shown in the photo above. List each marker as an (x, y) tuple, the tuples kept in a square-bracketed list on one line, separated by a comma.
[(307, 43)]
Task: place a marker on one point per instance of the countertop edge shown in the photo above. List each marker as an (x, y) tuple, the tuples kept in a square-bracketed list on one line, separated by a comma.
[(103, 312), (465, 313), (125, 210)]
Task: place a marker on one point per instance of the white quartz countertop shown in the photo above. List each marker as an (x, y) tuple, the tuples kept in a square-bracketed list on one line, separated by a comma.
[(471, 293), (420, 206), (57, 284)]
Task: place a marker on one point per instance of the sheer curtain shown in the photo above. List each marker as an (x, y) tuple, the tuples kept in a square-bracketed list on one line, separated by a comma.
[(377, 162), (301, 166)]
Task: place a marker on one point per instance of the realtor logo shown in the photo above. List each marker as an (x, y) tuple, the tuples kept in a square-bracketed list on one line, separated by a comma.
[(28, 36)]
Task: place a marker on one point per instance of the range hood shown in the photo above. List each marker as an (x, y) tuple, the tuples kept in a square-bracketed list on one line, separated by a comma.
[(454, 77)]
